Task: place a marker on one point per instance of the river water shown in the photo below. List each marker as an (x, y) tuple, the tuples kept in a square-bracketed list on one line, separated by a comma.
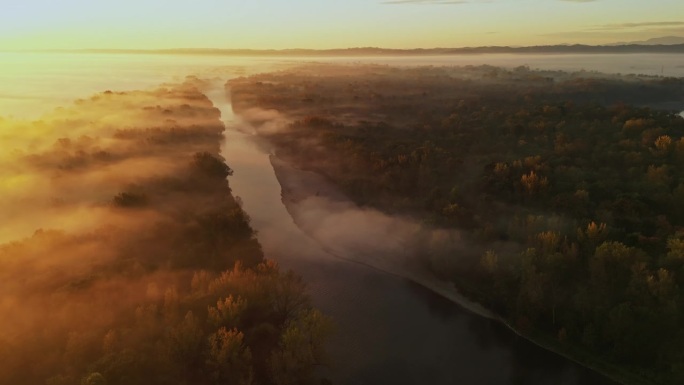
[(389, 331)]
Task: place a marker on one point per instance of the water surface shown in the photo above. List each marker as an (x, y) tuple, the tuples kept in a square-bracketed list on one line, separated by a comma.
[(389, 331)]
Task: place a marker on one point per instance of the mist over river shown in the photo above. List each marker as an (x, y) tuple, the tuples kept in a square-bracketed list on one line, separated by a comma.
[(389, 330), (34, 83)]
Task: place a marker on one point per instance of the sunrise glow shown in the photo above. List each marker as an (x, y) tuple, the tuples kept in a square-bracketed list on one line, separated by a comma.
[(265, 24)]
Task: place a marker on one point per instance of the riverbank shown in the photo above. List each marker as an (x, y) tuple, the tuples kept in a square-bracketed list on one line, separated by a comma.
[(137, 245), (571, 352), (322, 211), (524, 169), (388, 329), (308, 197)]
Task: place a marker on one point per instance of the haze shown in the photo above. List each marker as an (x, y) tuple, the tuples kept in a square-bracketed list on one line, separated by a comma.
[(147, 24), (188, 198)]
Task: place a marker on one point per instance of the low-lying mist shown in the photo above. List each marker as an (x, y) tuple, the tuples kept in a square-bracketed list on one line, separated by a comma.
[(397, 244), (564, 188), (119, 235)]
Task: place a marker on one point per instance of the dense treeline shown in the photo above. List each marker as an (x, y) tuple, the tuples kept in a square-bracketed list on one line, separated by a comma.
[(147, 270), (570, 187)]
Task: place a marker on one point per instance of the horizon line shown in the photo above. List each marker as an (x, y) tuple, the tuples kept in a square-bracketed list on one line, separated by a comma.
[(438, 50)]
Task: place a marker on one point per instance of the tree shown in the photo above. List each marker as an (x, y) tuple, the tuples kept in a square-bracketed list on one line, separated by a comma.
[(227, 312), (229, 359), (211, 165), (533, 184), (591, 236), (490, 262), (610, 272), (185, 343), (663, 145), (301, 349), (94, 379)]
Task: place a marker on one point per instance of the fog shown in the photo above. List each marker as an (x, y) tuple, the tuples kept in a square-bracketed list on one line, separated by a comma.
[(94, 198), (85, 185), (395, 244), (63, 168), (97, 197), (59, 176), (34, 83)]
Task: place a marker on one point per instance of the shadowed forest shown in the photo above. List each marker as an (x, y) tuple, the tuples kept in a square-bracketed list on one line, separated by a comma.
[(371, 192), (146, 269), (566, 188)]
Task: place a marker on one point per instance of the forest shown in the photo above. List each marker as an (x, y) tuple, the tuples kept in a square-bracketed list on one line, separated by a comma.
[(568, 187), (146, 269)]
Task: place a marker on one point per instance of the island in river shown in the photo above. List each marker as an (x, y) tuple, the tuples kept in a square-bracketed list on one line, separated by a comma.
[(552, 198)]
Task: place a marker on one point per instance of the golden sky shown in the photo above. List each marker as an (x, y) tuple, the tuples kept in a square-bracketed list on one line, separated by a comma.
[(261, 24)]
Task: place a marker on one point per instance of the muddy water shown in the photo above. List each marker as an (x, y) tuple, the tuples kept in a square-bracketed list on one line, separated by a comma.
[(389, 331)]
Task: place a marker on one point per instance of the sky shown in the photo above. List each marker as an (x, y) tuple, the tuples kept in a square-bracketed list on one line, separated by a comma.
[(318, 24)]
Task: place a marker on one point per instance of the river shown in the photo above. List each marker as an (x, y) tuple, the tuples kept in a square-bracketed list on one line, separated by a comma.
[(389, 330)]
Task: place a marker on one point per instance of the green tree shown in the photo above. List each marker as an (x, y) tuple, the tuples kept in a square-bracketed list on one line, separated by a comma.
[(94, 379), (610, 272), (301, 349), (185, 343), (229, 359)]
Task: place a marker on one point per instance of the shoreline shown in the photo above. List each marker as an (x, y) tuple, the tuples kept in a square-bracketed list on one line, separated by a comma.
[(317, 186), (294, 193)]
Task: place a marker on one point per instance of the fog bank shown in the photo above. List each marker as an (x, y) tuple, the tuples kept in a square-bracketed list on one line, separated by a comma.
[(394, 244)]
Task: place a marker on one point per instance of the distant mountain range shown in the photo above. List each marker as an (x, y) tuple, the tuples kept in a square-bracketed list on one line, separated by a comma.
[(664, 40), (668, 44), (372, 51)]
